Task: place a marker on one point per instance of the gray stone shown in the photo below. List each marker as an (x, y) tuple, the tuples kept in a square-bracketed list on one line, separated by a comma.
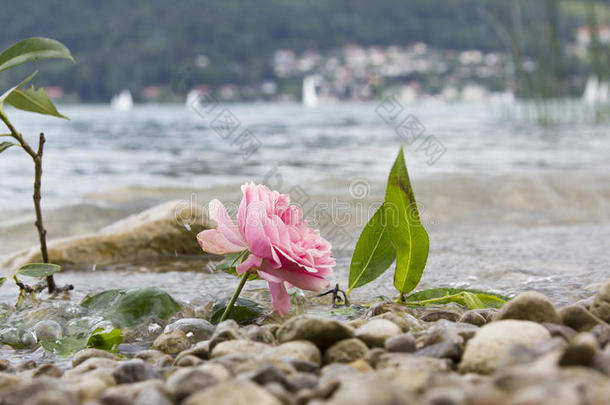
[(345, 351), (371, 389), (443, 350), (409, 362), (234, 393), (529, 306), (171, 343), (37, 392), (261, 334), (48, 370), (295, 350), (86, 354), (404, 343), (561, 331), (473, 318), (375, 332), (226, 330), (155, 357), (405, 321), (578, 318), (238, 347), (196, 329), (435, 315), (301, 381), (136, 370), (492, 341), (187, 360), (304, 365), (580, 351), (602, 333), (601, 303), (152, 397), (322, 332), (186, 381), (269, 374)]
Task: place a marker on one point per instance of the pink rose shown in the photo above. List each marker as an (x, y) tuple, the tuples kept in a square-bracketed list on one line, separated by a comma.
[(282, 247)]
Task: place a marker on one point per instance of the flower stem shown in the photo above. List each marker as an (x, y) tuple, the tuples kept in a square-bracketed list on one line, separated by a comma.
[(242, 282)]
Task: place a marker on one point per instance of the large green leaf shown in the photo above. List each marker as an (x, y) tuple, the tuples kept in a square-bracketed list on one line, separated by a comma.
[(244, 312), (22, 83), (131, 307), (34, 101), (472, 299), (38, 270), (373, 253), (409, 238), (31, 50)]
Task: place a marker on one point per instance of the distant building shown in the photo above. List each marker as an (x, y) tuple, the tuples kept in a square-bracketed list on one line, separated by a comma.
[(55, 92)]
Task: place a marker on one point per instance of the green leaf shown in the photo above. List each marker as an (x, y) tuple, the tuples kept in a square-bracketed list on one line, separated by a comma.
[(31, 50), (227, 264), (38, 270), (34, 101), (108, 341), (409, 238), (98, 339), (2, 280), (373, 253), (22, 83), (244, 312), (131, 307), (472, 299), (5, 145)]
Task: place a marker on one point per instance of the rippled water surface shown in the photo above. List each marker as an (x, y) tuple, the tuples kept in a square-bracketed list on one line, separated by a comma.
[(508, 206)]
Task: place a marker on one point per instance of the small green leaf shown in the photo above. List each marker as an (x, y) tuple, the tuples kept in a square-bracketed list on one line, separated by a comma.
[(2, 280), (227, 264), (38, 270), (108, 341), (409, 238), (131, 307), (373, 253), (5, 145), (472, 299), (244, 312), (34, 101), (31, 50), (65, 347), (22, 83)]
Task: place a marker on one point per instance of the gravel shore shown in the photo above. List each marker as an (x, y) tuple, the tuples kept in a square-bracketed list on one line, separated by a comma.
[(529, 352)]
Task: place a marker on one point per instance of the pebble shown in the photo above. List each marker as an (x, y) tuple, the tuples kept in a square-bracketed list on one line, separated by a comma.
[(405, 321), (234, 393), (404, 342), (529, 306), (345, 351), (600, 307), (484, 351), (443, 350), (580, 351), (200, 329), (132, 371), (186, 381), (434, 316), (226, 330), (86, 354), (322, 332), (238, 347), (48, 370), (578, 318), (375, 332), (564, 332), (473, 318), (172, 342), (295, 350)]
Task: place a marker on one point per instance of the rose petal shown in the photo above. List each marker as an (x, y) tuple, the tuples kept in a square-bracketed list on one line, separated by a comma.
[(301, 279), (213, 241), (226, 226), (281, 299), (250, 262)]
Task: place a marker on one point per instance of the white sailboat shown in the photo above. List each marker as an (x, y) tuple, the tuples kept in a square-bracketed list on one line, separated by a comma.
[(596, 92), (122, 101), (310, 94)]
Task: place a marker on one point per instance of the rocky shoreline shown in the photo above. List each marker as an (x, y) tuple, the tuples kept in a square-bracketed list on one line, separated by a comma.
[(529, 352)]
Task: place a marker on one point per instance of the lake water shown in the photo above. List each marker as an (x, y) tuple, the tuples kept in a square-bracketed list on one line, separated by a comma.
[(508, 206)]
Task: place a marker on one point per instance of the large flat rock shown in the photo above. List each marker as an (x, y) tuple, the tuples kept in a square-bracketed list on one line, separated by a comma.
[(165, 230)]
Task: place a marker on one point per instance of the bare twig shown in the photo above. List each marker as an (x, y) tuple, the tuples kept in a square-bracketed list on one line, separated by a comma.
[(37, 158)]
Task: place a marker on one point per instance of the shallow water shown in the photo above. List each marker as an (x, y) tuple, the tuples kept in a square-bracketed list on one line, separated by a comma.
[(508, 206)]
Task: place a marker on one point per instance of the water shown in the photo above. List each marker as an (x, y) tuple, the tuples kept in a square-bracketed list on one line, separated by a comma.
[(508, 206)]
